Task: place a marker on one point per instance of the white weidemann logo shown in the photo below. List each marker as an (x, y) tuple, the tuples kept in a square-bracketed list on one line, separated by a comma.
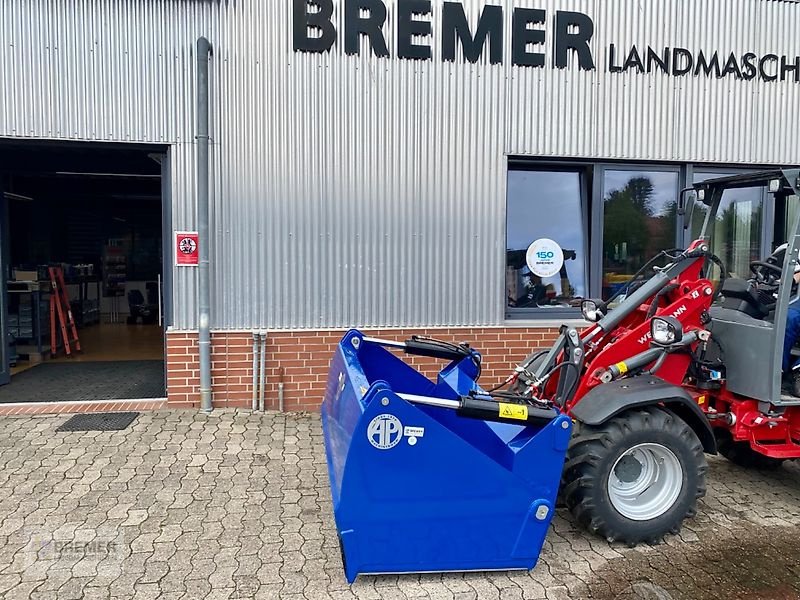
[(384, 431)]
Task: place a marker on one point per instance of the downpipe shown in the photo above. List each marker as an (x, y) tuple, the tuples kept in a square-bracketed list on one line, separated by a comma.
[(204, 283), (259, 370), (262, 370), (255, 370)]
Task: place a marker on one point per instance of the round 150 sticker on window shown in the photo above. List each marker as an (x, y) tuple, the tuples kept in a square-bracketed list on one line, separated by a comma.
[(545, 258)]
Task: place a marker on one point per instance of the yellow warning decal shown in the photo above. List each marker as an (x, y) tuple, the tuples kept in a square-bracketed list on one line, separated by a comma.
[(514, 411), (622, 368)]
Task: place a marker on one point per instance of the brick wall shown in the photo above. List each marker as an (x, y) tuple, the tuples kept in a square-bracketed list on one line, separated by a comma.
[(300, 359)]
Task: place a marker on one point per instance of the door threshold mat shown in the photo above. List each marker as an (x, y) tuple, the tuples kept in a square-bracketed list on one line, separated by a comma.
[(99, 422), (76, 381)]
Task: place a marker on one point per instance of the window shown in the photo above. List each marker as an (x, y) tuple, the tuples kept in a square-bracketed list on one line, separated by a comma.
[(579, 230), (739, 219), (639, 221), (545, 206), (791, 211)]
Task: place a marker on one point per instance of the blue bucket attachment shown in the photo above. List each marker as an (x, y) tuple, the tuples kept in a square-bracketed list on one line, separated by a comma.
[(419, 488)]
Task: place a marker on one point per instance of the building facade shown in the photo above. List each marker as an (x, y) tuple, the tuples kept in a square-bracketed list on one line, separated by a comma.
[(388, 164)]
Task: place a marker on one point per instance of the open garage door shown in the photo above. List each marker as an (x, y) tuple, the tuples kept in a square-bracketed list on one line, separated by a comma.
[(5, 347), (83, 269)]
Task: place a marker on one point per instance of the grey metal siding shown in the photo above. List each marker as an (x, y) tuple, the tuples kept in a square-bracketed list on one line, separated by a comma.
[(364, 191)]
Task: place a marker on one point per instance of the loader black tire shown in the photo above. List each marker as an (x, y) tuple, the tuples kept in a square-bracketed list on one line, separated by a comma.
[(593, 453), (741, 454)]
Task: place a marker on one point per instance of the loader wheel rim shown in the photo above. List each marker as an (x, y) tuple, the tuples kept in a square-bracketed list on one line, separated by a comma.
[(645, 482)]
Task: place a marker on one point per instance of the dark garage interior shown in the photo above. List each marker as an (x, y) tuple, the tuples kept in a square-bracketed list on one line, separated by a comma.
[(83, 268)]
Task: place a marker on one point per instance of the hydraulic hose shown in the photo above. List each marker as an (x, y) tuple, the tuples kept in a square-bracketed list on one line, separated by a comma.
[(523, 366), (652, 286), (658, 364), (642, 271), (663, 292)]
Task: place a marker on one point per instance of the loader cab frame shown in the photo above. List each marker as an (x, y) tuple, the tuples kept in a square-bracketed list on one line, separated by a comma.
[(753, 345)]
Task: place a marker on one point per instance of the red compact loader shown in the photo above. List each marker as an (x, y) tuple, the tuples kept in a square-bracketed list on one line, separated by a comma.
[(688, 362)]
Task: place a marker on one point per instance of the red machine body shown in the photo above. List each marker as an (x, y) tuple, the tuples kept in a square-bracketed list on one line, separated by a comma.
[(650, 384), (688, 299), (770, 434)]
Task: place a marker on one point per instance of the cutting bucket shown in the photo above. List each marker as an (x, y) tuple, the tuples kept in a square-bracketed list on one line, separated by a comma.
[(420, 488)]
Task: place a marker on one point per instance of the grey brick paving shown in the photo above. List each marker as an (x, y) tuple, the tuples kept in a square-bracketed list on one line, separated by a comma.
[(236, 505)]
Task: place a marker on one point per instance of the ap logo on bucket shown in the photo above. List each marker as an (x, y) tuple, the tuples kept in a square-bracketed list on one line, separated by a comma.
[(384, 431)]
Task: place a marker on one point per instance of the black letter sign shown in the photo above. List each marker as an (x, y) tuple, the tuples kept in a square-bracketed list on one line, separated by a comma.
[(355, 26), (318, 20), (578, 41), (490, 24), (408, 27), (521, 36), (749, 70), (682, 55), (787, 67), (762, 67), (707, 66)]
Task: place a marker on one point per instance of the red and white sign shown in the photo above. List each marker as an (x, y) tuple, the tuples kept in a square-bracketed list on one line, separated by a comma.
[(187, 248)]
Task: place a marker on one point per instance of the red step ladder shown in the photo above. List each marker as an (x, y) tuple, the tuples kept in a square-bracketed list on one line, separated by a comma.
[(61, 311)]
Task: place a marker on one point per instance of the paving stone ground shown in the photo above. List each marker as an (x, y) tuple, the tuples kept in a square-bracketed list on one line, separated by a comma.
[(236, 505)]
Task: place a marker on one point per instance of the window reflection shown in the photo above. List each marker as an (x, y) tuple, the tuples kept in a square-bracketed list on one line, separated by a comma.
[(792, 209), (736, 233), (639, 216), (545, 205)]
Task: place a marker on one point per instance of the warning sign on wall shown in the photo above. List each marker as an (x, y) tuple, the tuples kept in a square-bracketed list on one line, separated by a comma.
[(187, 248)]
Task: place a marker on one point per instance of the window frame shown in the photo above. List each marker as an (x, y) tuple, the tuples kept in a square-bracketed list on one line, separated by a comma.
[(591, 174), (514, 314), (767, 216), (598, 213)]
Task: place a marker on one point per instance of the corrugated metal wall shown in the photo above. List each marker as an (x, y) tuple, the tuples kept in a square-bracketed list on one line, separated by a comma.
[(364, 191), (604, 115), (111, 70)]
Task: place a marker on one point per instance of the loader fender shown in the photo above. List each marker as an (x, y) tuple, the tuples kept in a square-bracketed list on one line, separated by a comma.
[(610, 399)]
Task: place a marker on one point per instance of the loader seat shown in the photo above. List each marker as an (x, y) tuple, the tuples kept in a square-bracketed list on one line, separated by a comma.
[(746, 297), (756, 296)]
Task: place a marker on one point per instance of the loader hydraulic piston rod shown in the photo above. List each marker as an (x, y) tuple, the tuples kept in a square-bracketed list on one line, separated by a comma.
[(488, 410), (632, 364), (426, 347), (643, 359)]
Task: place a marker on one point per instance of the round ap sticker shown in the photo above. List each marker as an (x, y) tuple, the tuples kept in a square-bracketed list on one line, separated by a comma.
[(545, 258), (384, 431)]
